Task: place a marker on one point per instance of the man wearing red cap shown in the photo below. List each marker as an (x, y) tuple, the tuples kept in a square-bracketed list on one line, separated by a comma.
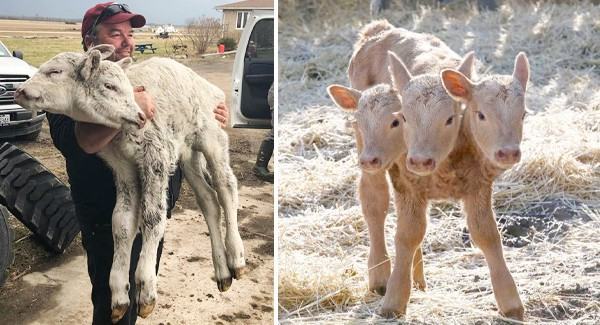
[(92, 184)]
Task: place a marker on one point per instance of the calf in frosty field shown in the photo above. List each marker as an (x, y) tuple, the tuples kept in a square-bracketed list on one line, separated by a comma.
[(88, 88)]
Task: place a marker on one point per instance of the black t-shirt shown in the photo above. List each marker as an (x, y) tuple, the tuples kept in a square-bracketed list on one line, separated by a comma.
[(92, 183)]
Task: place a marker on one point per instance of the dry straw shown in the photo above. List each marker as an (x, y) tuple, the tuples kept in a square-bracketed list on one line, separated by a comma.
[(323, 238)]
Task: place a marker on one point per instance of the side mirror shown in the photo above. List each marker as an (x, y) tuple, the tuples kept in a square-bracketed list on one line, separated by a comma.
[(18, 54)]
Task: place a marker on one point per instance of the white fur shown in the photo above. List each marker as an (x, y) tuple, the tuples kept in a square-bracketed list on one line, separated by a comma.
[(184, 130)]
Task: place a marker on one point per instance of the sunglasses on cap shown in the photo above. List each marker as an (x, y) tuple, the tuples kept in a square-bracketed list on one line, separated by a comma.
[(109, 11)]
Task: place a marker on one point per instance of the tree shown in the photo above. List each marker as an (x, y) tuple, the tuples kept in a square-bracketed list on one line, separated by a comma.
[(203, 32)]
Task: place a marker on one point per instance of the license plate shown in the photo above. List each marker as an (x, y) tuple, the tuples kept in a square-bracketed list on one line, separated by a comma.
[(4, 119)]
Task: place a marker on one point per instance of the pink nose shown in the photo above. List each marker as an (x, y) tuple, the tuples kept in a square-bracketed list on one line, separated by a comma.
[(421, 163), (370, 162), (21, 93), (508, 156)]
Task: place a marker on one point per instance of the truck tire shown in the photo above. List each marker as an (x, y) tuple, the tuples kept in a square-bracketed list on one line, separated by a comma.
[(37, 198), (6, 242)]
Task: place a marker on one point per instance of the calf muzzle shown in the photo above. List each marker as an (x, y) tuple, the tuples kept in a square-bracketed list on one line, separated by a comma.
[(508, 156)]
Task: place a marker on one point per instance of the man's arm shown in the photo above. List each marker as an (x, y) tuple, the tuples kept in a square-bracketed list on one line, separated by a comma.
[(94, 137), (91, 137)]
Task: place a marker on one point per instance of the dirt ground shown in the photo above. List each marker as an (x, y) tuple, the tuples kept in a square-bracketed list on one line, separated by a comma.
[(46, 289)]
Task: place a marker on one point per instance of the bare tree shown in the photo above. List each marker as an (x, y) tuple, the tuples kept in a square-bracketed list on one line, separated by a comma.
[(203, 32)]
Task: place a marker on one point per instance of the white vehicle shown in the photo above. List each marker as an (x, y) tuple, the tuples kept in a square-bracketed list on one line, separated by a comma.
[(253, 72), (15, 121)]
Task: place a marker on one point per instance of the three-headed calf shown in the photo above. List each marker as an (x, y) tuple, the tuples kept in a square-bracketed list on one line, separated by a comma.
[(437, 157), (88, 88)]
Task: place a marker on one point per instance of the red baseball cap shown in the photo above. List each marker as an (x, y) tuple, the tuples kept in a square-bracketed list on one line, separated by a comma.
[(122, 15)]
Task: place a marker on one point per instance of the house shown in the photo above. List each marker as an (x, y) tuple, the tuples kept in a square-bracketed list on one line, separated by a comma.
[(236, 14)]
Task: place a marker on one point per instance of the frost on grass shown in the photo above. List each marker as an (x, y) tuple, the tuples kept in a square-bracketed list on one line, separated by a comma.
[(548, 206)]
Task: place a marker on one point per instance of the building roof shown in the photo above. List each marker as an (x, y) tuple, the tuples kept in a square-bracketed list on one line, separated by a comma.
[(247, 4)]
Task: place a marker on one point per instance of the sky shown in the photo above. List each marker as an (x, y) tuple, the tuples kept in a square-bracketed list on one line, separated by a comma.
[(175, 12)]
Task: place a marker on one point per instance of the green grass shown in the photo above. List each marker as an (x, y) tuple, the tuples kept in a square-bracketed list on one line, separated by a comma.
[(39, 50)]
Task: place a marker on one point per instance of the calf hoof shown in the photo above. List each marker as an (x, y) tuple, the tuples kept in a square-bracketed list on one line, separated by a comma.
[(117, 312), (146, 309), (379, 290), (420, 285), (391, 312), (379, 276), (515, 313), (378, 282), (224, 284), (238, 272)]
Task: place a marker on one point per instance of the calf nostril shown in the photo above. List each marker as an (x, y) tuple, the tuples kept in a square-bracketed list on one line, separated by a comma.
[(370, 162), (428, 163), (20, 92), (142, 116), (508, 154), (411, 161)]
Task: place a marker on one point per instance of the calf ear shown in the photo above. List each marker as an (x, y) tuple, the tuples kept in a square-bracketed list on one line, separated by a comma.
[(344, 97), (90, 64), (466, 64), (521, 72), (105, 50), (398, 71), (125, 63), (457, 85)]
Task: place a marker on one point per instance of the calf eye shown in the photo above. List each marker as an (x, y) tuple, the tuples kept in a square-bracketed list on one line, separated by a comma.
[(481, 116), (54, 72), (395, 123), (110, 87), (522, 118), (449, 120)]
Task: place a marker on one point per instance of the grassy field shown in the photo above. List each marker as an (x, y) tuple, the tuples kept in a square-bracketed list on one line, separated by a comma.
[(40, 41)]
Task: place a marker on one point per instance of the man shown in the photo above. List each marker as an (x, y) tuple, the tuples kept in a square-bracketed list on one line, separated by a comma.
[(92, 185), (260, 168)]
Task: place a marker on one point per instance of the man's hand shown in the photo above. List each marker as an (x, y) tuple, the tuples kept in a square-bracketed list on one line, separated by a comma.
[(144, 101), (221, 114)]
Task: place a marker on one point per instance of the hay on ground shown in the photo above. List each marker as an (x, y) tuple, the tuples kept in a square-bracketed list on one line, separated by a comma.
[(323, 240)]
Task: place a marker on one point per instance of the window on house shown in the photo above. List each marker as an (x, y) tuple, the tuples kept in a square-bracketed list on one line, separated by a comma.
[(242, 17)]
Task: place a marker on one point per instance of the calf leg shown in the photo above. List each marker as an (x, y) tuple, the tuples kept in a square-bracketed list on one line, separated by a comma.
[(417, 268), (124, 229), (209, 204), (375, 200), (484, 232), (154, 175), (412, 222), (214, 146)]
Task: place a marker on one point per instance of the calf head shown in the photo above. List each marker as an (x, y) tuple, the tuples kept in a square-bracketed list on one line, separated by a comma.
[(84, 87), (495, 110), (378, 130), (431, 118)]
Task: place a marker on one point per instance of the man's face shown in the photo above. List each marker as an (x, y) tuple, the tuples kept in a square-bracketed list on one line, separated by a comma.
[(118, 35)]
